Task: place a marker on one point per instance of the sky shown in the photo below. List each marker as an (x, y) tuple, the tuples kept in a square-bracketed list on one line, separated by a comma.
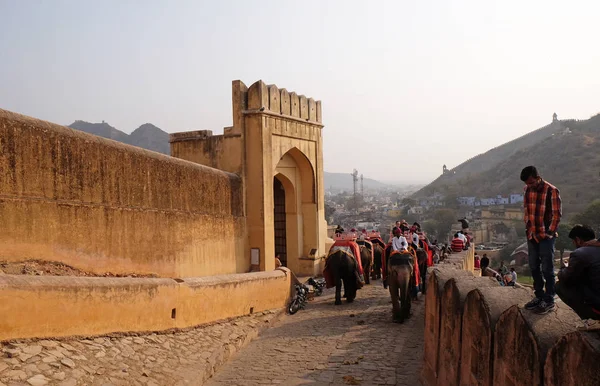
[(406, 86)]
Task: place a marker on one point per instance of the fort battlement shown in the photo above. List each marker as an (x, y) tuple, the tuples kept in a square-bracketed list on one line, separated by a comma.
[(478, 333)]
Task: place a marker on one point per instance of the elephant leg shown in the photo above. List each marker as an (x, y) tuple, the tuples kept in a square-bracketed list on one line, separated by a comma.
[(392, 280), (404, 292), (338, 288), (367, 269), (349, 287), (423, 272)]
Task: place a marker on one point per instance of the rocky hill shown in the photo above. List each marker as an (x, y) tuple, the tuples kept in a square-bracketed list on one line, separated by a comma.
[(146, 136), (565, 152)]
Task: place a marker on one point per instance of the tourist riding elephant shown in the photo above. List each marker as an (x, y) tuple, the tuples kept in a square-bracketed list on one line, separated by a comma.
[(366, 259), (399, 273), (377, 260), (343, 267)]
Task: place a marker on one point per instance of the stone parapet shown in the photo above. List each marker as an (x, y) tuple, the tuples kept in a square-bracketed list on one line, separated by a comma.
[(478, 333), (37, 306)]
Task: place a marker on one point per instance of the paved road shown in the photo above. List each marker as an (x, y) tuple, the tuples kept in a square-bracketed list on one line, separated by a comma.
[(352, 344)]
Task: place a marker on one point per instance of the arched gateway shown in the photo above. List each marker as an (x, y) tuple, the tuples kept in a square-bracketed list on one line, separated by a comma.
[(275, 145)]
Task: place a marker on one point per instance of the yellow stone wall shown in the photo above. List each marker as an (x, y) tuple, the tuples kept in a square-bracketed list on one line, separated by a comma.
[(91, 306), (103, 206)]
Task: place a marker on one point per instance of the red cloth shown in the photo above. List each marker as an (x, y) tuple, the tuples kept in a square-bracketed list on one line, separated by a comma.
[(377, 240), (457, 245), (429, 253), (477, 264), (415, 265)]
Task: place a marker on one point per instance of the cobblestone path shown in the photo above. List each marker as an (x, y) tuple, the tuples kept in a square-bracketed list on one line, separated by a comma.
[(351, 344), (319, 345), (181, 358)]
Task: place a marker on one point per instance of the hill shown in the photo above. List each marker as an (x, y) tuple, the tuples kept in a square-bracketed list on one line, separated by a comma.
[(565, 153), (344, 181), (146, 136)]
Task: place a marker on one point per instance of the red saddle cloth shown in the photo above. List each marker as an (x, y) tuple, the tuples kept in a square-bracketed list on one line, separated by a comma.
[(377, 240), (328, 275), (416, 275)]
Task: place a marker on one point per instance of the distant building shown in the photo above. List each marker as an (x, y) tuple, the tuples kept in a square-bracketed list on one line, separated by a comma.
[(467, 201), (516, 198), (416, 210)]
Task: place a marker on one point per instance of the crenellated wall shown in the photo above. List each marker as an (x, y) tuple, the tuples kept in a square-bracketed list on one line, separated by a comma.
[(478, 333), (275, 134), (103, 206)]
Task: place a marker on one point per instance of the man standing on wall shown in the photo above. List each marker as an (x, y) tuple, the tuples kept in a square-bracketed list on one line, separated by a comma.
[(542, 207)]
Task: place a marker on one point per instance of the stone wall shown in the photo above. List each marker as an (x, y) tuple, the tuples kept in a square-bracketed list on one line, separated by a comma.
[(477, 333), (38, 306), (103, 206)]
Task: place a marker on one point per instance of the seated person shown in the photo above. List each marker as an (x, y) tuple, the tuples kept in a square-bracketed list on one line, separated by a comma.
[(579, 282), (457, 244), (485, 263), (398, 242), (510, 279)]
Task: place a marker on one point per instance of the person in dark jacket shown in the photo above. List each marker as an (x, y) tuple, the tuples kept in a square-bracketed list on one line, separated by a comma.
[(579, 282), (485, 262)]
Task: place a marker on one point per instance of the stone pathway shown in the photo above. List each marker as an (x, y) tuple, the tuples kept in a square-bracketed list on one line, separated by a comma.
[(352, 344), (182, 358), (324, 344)]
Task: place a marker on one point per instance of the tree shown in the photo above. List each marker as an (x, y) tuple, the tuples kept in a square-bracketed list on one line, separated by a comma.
[(444, 219), (562, 241), (590, 216)]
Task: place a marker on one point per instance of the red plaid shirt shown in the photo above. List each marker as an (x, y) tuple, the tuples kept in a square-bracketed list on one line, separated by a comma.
[(543, 210)]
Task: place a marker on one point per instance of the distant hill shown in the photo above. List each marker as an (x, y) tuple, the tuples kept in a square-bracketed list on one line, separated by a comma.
[(146, 136), (566, 153), (344, 181)]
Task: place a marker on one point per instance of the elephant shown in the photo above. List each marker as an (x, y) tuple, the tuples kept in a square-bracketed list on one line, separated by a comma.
[(399, 279), (343, 267), (366, 259), (378, 256), (422, 260)]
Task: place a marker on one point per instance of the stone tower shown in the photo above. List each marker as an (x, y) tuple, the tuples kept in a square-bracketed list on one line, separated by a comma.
[(275, 145)]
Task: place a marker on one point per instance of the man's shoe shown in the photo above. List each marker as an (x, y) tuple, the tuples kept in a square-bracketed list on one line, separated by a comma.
[(533, 304), (544, 307), (589, 325)]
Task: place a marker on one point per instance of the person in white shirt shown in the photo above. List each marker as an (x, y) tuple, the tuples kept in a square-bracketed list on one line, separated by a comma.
[(415, 240), (399, 242), (462, 237)]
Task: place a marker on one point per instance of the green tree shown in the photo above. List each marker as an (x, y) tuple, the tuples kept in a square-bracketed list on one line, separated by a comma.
[(562, 241), (444, 219), (590, 216)]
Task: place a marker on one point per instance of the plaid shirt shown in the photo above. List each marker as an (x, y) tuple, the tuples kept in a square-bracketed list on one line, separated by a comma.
[(543, 210)]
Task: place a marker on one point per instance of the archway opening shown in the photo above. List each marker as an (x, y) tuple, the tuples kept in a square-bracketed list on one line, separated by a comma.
[(280, 221)]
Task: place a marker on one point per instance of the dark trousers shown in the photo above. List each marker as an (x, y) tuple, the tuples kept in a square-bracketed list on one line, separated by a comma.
[(541, 263), (573, 297)]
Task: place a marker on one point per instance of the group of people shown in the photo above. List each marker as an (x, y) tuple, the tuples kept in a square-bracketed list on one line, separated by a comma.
[(460, 241), (578, 280)]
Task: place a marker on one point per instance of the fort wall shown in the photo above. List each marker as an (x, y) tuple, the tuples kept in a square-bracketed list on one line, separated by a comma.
[(478, 333), (103, 206)]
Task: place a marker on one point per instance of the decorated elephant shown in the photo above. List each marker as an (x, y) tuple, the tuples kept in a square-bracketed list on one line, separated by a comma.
[(342, 267), (399, 278)]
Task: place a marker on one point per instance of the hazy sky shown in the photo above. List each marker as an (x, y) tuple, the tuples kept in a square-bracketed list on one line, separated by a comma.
[(406, 85)]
